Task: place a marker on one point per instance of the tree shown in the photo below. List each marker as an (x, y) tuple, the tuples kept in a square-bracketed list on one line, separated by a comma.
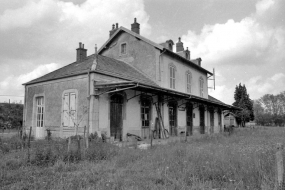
[(270, 109), (243, 101)]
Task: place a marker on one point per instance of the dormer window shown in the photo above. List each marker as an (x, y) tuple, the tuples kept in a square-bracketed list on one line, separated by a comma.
[(123, 48), (201, 81)]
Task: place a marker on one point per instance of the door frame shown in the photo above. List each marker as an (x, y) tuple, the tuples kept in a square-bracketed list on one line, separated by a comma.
[(173, 129), (189, 128), (202, 121), (120, 128)]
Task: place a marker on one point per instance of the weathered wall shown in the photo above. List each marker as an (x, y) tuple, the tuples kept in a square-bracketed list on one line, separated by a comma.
[(52, 92), (181, 69), (139, 54)]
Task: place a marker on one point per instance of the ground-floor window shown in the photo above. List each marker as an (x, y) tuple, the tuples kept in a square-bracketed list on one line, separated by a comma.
[(40, 111)]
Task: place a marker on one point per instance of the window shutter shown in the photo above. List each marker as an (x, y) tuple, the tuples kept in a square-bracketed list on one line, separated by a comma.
[(72, 108), (66, 110)]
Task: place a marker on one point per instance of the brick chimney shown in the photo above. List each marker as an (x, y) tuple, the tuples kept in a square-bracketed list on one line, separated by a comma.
[(136, 26), (114, 29), (179, 45), (81, 53)]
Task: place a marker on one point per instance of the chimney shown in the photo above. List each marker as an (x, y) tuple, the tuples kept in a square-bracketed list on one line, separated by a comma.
[(199, 60), (81, 53), (187, 54), (114, 29), (136, 26), (179, 45)]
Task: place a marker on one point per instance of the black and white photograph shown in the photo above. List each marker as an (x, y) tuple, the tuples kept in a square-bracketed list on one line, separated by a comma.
[(142, 94)]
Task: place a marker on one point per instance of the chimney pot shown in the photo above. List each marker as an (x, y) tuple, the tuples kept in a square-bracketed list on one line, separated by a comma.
[(113, 26), (135, 20), (117, 25)]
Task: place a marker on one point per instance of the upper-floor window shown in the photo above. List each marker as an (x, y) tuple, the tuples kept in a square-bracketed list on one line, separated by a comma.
[(40, 111), (123, 48), (69, 109), (201, 81), (188, 82), (172, 71)]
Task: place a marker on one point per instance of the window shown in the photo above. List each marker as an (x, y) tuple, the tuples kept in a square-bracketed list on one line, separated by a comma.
[(188, 82), (69, 109), (145, 117), (40, 111), (123, 49), (201, 87), (172, 76)]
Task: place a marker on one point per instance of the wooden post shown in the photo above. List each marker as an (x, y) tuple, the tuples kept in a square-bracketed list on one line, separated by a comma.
[(280, 169)]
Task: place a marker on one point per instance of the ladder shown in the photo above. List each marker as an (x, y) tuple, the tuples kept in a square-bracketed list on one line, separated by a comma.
[(162, 131)]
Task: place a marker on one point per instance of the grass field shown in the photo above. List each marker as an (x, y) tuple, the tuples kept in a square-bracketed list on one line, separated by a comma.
[(245, 160)]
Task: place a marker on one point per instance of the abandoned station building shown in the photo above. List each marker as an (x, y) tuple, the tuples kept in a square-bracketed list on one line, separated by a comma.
[(122, 88)]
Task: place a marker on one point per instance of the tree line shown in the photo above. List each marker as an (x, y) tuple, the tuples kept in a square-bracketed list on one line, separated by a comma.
[(11, 115), (270, 110)]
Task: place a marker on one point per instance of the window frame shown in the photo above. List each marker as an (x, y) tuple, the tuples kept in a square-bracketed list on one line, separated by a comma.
[(125, 49), (172, 76), (201, 86), (188, 82), (40, 108)]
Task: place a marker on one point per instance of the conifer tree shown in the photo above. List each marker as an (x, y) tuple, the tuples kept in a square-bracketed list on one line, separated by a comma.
[(243, 101)]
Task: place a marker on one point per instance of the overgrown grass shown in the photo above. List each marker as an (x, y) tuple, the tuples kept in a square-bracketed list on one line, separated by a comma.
[(245, 160)]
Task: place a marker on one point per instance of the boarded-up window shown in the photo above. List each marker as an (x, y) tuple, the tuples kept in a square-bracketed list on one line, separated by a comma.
[(69, 109), (40, 111)]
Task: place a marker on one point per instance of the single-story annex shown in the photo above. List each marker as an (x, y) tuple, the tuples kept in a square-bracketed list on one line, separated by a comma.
[(122, 88)]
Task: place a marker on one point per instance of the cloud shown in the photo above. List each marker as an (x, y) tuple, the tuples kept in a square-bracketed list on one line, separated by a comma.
[(52, 28), (44, 32), (258, 86), (249, 41), (223, 93), (12, 85)]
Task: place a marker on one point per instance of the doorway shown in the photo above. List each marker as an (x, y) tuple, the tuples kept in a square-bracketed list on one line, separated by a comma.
[(172, 107), (202, 119), (189, 118), (116, 116)]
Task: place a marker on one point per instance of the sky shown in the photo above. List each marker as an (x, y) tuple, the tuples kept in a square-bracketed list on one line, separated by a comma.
[(244, 40)]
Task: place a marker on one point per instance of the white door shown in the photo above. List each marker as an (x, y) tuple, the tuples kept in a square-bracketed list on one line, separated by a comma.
[(40, 131)]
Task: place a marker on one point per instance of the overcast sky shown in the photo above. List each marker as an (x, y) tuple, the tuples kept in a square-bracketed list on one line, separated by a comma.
[(244, 40)]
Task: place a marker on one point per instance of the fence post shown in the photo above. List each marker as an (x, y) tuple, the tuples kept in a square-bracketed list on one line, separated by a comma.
[(280, 169)]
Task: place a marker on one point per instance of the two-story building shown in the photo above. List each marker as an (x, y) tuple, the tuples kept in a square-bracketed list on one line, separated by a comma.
[(122, 88)]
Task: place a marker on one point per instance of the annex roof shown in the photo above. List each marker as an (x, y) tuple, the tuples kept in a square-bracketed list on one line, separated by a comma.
[(118, 86), (158, 46), (105, 65)]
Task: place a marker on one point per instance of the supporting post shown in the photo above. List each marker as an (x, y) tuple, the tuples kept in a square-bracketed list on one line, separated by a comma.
[(280, 169)]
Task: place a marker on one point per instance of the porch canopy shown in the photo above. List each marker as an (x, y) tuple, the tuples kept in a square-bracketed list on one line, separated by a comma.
[(171, 95)]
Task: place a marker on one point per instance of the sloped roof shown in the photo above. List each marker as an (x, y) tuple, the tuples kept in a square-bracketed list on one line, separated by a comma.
[(105, 65), (158, 46)]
